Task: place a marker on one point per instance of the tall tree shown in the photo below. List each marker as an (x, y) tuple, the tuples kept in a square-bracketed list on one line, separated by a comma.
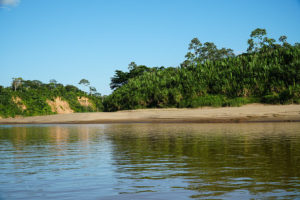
[(84, 82), (53, 81), (259, 41), (200, 53), (120, 78), (17, 82), (93, 90)]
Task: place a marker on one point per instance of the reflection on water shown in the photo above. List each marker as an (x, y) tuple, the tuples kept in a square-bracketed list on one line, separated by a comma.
[(150, 161)]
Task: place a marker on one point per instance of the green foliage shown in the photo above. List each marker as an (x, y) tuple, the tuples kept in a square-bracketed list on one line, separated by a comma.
[(216, 101), (34, 95), (120, 78), (200, 53), (269, 73), (7, 107), (16, 83), (84, 82)]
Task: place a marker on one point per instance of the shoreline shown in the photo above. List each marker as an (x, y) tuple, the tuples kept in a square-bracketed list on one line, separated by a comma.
[(245, 114)]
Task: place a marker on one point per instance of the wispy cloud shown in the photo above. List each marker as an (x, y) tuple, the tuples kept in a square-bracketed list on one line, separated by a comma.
[(4, 3)]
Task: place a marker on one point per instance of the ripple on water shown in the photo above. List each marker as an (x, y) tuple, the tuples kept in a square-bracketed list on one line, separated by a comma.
[(150, 161)]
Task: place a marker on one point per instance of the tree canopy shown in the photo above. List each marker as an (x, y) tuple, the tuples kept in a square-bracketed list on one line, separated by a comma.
[(200, 53), (120, 78), (268, 73)]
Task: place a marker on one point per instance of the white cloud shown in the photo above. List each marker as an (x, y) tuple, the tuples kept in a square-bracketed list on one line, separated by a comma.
[(9, 2)]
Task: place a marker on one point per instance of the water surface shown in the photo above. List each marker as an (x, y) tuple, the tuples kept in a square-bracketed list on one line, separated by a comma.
[(150, 161)]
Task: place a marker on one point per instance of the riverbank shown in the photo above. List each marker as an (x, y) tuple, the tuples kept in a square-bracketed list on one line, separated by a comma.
[(247, 113)]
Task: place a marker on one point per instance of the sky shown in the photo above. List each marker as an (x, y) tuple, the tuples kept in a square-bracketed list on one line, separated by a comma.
[(68, 40)]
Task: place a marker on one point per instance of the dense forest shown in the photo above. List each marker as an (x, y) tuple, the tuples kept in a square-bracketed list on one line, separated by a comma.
[(269, 72)]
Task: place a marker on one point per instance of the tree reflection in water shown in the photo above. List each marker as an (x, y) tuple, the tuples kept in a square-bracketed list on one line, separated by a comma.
[(154, 161), (211, 159)]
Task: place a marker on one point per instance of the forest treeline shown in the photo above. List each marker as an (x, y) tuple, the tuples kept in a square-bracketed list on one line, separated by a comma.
[(33, 95), (269, 72)]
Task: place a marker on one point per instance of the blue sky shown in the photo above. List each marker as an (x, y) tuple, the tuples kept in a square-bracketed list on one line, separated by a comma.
[(68, 40)]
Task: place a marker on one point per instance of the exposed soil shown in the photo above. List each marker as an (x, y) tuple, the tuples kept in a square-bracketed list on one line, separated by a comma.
[(84, 101), (60, 106), (19, 102)]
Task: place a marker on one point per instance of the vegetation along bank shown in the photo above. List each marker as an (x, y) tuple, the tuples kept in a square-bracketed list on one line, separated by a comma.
[(269, 72)]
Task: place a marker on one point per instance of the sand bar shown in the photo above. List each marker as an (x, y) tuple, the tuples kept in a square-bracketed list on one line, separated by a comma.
[(247, 113)]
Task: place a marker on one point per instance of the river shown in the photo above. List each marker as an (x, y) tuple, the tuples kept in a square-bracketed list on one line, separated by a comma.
[(150, 161)]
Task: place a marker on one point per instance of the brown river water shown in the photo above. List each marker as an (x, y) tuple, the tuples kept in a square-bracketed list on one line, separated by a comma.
[(150, 161)]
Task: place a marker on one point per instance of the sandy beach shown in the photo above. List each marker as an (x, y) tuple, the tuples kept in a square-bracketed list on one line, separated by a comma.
[(247, 113)]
